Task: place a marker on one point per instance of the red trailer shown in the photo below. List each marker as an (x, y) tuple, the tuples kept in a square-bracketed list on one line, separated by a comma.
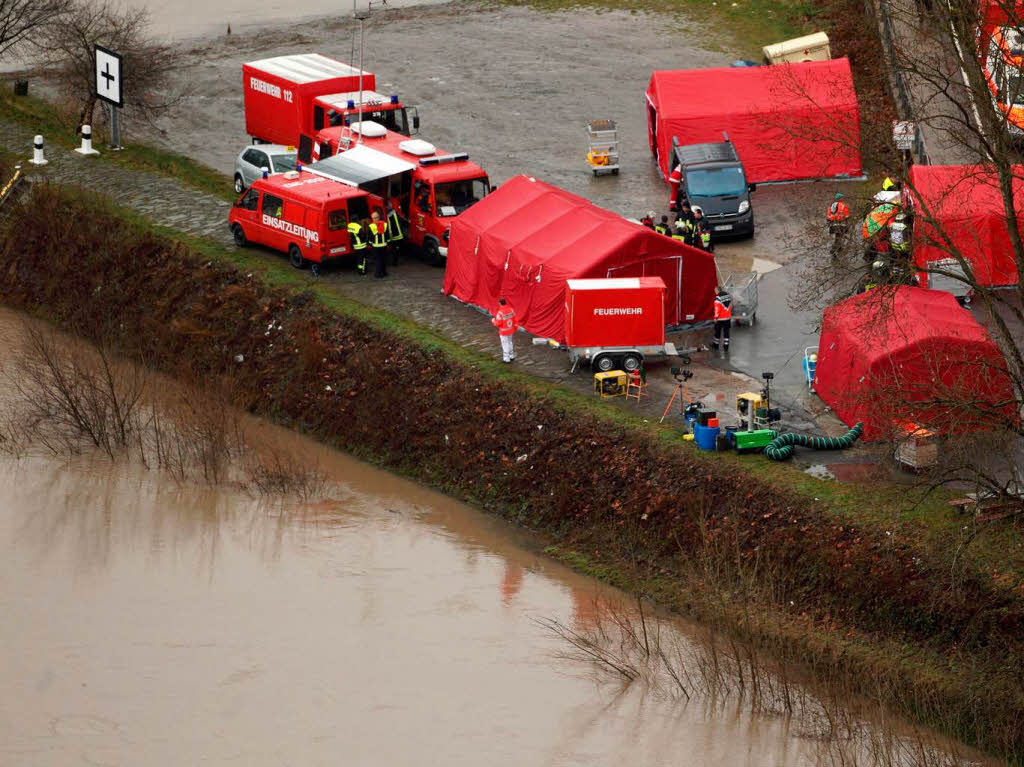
[(278, 93), (615, 322)]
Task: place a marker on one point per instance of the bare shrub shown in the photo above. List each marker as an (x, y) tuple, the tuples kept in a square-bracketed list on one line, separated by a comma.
[(69, 395), (273, 471), (717, 672), (76, 394)]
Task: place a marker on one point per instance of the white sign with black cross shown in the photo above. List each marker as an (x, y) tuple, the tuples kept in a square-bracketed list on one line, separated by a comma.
[(109, 71), (110, 87)]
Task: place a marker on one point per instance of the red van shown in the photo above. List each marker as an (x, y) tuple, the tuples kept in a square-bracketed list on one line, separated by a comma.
[(301, 214)]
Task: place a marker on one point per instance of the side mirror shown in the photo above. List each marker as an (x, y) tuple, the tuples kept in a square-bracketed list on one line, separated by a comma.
[(751, 187), (415, 122)]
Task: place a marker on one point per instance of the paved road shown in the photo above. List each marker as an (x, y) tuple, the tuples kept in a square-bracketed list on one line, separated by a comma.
[(941, 102)]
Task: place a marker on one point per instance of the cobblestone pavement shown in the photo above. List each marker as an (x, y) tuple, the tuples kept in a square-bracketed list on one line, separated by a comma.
[(413, 289), (157, 197)]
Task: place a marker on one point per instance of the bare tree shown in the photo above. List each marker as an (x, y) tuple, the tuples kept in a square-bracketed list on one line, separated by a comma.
[(23, 20), (959, 85), (67, 48)]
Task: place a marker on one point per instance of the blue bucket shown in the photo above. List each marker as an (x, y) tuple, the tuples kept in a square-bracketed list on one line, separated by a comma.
[(705, 436)]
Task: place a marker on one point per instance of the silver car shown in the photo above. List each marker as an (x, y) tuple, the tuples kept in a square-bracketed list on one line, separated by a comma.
[(249, 165)]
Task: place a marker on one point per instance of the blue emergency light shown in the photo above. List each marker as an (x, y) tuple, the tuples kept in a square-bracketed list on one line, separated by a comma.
[(351, 104), (394, 98)]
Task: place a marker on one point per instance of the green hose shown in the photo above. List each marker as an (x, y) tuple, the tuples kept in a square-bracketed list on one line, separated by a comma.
[(781, 448)]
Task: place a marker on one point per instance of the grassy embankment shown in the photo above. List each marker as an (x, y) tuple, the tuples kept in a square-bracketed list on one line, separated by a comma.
[(846, 580), (40, 117)]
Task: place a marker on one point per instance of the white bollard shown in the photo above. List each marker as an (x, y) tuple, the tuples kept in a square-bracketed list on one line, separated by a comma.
[(86, 147), (37, 152)]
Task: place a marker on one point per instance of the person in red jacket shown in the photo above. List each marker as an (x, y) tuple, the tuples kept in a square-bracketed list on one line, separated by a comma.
[(505, 321), (675, 178), (723, 318)]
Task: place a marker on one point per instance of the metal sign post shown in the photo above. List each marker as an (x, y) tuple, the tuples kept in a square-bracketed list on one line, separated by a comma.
[(109, 76)]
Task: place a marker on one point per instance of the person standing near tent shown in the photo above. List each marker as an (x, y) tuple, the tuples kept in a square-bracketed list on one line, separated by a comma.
[(505, 321), (357, 236), (675, 179), (395, 234), (700, 233), (837, 214), (663, 227), (379, 243), (723, 318), (648, 220)]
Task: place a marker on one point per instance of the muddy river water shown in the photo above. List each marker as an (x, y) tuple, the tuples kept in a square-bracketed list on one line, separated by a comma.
[(147, 621)]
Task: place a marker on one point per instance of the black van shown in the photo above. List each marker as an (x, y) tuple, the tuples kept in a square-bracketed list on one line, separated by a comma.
[(714, 180)]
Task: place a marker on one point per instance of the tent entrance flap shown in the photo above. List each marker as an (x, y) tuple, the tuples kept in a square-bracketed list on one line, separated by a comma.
[(670, 269)]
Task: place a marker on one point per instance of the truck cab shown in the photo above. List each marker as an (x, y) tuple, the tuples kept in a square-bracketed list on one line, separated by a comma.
[(438, 186), (341, 109), (713, 178)]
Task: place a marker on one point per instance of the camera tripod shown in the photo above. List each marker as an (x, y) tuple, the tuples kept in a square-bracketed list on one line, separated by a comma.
[(681, 377)]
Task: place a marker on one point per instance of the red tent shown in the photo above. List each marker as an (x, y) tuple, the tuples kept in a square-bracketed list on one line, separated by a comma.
[(787, 121), (909, 355), (525, 239), (963, 202)]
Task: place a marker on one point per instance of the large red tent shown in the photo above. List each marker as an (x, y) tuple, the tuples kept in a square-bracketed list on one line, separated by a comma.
[(787, 121), (902, 355), (525, 239), (964, 204)]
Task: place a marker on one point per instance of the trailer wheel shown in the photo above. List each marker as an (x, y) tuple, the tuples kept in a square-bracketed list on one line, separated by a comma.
[(615, 171), (432, 253), (603, 363), (295, 257), (631, 362), (239, 234), (239, 184)]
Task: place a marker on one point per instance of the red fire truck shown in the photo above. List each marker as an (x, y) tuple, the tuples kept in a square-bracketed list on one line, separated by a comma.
[(288, 99), (301, 214), (435, 187)]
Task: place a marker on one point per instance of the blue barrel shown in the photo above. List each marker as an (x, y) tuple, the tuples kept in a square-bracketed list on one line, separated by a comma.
[(705, 436)]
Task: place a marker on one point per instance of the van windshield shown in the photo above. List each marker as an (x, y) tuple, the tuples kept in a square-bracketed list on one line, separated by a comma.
[(456, 196), (717, 182)]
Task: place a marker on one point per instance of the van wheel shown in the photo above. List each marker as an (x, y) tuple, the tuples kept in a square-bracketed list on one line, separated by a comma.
[(295, 257), (239, 234), (631, 362), (432, 253), (602, 363)]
